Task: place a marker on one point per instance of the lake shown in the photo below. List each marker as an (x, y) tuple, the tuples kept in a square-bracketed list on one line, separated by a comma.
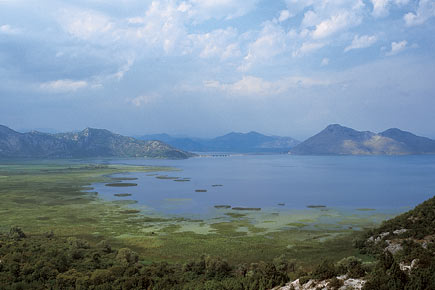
[(280, 182)]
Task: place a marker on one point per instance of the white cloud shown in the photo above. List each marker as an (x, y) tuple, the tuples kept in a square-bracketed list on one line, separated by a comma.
[(63, 86), (362, 41), (336, 23), (7, 29), (397, 47), (270, 42), (220, 43), (381, 7), (308, 47), (252, 86), (425, 10), (284, 15), (141, 100), (325, 61), (85, 24)]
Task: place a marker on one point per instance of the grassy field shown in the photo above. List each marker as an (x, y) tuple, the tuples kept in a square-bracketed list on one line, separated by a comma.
[(57, 197)]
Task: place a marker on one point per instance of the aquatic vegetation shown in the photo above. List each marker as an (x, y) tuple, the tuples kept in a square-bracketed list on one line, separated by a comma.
[(200, 190), (166, 177), (182, 180), (123, 178), (222, 206), (247, 208), (121, 184), (316, 206), (281, 204), (217, 185), (235, 215), (122, 194)]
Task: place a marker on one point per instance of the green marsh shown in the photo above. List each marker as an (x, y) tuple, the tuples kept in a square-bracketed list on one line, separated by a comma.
[(44, 197)]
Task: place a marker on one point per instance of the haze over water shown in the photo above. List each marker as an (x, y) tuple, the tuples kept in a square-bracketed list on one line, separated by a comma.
[(380, 182)]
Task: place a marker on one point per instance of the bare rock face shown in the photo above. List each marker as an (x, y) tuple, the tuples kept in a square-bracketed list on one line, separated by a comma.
[(88, 143)]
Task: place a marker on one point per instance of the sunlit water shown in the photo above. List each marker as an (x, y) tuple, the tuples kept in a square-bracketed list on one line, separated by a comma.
[(385, 183)]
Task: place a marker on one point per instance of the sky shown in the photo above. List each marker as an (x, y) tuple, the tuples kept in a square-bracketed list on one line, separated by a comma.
[(208, 67)]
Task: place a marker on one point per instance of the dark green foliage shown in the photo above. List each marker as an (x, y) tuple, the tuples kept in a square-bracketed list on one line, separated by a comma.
[(418, 246), (325, 270), (41, 262), (16, 233)]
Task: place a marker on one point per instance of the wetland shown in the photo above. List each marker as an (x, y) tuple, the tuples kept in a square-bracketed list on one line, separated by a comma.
[(157, 216)]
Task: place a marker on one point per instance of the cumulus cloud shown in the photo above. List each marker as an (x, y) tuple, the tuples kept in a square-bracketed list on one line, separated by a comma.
[(362, 41), (397, 47), (425, 10), (85, 24), (270, 42), (63, 86), (284, 15), (381, 7), (308, 47), (220, 43), (336, 23)]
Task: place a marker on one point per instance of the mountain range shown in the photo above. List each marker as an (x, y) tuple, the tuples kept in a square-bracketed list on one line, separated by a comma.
[(339, 140), (88, 143), (251, 142)]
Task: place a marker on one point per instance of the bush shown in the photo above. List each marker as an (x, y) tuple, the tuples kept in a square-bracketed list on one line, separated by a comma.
[(126, 256), (325, 270)]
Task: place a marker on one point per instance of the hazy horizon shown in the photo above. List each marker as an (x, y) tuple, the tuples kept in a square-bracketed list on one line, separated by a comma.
[(207, 68)]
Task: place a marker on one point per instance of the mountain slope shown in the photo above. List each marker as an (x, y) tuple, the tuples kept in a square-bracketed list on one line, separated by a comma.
[(414, 143), (87, 143), (232, 142), (338, 140)]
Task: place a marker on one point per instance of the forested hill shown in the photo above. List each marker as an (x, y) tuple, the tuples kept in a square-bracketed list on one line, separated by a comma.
[(88, 143)]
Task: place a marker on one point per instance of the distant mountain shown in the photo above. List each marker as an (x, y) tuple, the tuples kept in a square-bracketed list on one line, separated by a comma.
[(339, 140), (251, 142), (87, 143)]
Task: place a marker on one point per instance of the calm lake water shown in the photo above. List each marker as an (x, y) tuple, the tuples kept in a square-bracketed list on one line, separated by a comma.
[(386, 183)]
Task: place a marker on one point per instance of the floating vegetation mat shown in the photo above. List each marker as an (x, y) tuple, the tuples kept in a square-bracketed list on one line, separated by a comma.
[(124, 178), (166, 177), (200, 190), (182, 180), (122, 194), (121, 184), (316, 206), (217, 185), (222, 206), (247, 208)]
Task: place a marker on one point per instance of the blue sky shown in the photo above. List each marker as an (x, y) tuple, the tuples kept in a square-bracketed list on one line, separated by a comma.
[(207, 67)]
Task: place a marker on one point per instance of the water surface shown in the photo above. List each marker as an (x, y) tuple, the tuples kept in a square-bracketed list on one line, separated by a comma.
[(384, 183)]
